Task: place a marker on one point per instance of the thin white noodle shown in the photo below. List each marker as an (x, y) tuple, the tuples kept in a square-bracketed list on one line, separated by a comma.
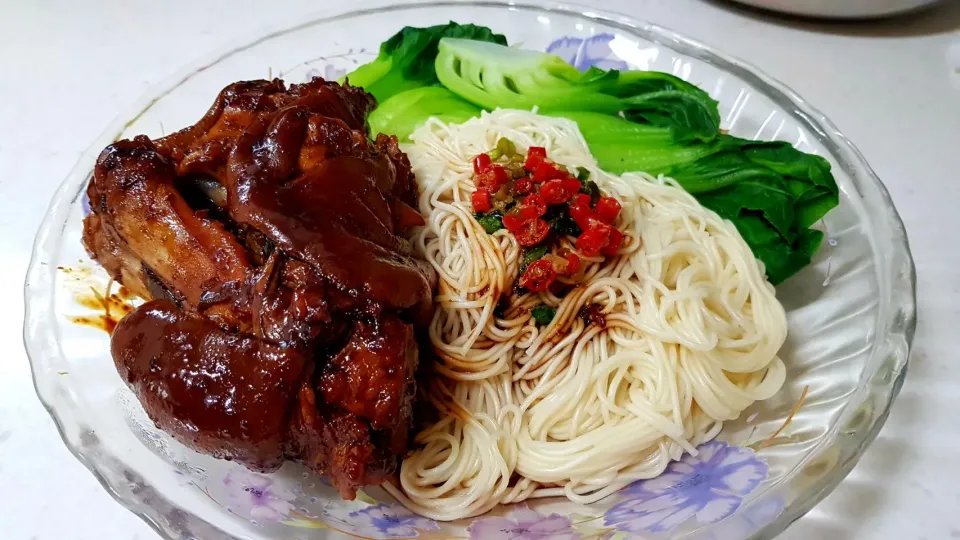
[(572, 409)]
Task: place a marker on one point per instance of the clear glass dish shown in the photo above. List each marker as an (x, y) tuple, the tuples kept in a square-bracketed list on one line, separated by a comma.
[(851, 316)]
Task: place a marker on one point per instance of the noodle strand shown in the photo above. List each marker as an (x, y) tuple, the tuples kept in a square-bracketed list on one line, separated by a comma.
[(576, 409)]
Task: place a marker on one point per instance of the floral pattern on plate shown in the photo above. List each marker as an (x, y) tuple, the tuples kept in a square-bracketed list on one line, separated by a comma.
[(260, 500), (256, 496), (390, 521), (584, 53), (523, 523), (709, 487), (706, 489)]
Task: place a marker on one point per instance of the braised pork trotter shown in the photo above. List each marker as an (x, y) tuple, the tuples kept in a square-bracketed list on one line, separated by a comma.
[(282, 297)]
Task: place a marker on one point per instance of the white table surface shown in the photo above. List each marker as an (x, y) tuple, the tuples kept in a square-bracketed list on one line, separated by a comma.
[(67, 67)]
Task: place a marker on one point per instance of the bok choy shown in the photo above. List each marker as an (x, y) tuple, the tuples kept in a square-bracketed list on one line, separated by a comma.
[(631, 120), (406, 60), (492, 76)]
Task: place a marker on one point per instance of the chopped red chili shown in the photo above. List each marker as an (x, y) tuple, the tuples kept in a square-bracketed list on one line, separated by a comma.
[(481, 201), (535, 156), (594, 239), (583, 216), (553, 192), (512, 220), (532, 232), (523, 186), (608, 209), (571, 186), (536, 203), (480, 163), (538, 276), (492, 178), (546, 171), (613, 245), (541, 197)]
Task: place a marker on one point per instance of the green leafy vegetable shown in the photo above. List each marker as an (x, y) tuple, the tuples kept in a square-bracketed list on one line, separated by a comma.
[(631, 120), (558, 217), (583, 175), (621, 146), (403, 113), (771, 191), (808, 178), (491, 222), (492, 75), (406, 60), (543, 314), (593, 190)]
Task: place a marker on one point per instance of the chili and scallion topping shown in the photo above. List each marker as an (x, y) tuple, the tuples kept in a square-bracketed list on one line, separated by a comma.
[(539, 201)]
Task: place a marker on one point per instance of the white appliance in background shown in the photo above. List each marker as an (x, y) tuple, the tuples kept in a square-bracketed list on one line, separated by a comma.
[(841, 9)]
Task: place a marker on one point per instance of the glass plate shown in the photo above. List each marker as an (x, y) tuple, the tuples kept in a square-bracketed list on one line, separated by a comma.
[(851, 315)]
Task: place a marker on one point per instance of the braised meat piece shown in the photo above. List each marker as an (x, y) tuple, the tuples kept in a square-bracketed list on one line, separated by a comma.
[(285, 167), (331, 441), (221, 393), (372, 376), (116, 258), (368, 383), (133, 194), (203, 149), (270, 238)]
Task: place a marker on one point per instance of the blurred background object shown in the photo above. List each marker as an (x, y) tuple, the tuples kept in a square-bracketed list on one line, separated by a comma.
[(842, 9)]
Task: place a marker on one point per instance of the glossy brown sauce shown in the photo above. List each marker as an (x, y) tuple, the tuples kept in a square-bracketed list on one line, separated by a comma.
[(223, 393), (268, 241), (100, 322), (593, 314), (344, 228), (112, 305)]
